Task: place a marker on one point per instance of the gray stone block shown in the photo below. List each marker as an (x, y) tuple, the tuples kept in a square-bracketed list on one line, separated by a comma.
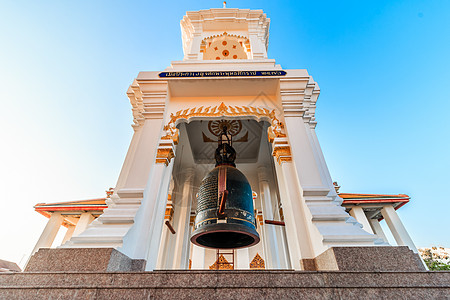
[(82, 259), (241, 285), (379, 258)]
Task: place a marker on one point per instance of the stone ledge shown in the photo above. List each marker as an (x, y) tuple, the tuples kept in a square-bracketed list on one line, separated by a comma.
[(226, 285), (374, 258), (226, 279), (82, 259)]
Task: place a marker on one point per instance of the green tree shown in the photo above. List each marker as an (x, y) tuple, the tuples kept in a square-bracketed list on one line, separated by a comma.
[(435, 265)]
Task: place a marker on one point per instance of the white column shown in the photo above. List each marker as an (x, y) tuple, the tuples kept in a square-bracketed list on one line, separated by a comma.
[(129, 158), (283, 246), (330, 221), (147, 227), (358, 213), (270, 238), (399, 232), (198, 258), (163, 249), (376, 228), (144, 156), (297, 228), (242, 259), (50, 231), (194, 51), (68, 234), (154, 234), (85, 219), (257, 46), (182, 218)]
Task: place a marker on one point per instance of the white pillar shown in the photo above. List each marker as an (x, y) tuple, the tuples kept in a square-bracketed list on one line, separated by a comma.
[(283, 245), (165, 235), (162, 257), (129, 158), (143, 157), (198, 258), (50, 231), (194, 51), (85, 219), (358, 213), (182, 218), (376, 228), (242, 259), (270, 238), (155, 230), (297, 228), (399, 232), (147, 227), (68, 234)]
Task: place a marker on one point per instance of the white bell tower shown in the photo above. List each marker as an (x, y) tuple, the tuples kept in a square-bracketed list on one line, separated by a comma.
[(225, 76)]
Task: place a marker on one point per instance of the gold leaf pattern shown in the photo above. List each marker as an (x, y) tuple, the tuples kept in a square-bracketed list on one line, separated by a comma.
[(257, 262), (275, 130), (221, 264)]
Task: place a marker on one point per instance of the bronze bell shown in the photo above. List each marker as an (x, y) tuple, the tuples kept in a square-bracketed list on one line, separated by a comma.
[(225, 216)]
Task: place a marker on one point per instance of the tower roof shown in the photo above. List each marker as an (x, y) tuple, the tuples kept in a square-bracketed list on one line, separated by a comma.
[(249, 27)]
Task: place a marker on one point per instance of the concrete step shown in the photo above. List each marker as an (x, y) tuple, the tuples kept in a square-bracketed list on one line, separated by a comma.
[(264, 284)]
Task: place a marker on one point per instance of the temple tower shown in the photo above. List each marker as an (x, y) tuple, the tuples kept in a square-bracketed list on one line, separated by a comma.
[(225, 77)]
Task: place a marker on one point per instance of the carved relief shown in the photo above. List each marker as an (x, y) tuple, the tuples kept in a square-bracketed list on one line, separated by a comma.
[(164, 155), (225, 46), (234, 127), (221, 264), (275, 130), (257, 262), (282, 154)]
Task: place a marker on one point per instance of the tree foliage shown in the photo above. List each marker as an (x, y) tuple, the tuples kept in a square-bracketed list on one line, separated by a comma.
[(434, 261), (434, 265)]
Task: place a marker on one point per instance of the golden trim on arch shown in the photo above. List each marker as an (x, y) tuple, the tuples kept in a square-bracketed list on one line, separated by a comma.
[(275, 130)]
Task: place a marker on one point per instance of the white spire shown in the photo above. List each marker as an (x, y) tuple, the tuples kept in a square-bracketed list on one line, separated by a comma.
[(224, 4)]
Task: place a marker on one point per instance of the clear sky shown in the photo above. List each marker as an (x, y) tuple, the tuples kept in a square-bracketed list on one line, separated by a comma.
[(383, 68)]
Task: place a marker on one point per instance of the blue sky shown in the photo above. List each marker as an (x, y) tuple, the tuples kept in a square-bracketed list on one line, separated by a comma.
[(383, 68)]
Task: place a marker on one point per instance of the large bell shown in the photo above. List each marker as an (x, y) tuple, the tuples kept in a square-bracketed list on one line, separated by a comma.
[(225, 216)]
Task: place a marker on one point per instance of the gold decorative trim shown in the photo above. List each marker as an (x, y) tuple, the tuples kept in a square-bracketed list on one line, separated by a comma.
[(257, 262), (164, 155), (282, 154), (171, 134), (169, 209), (276, 130), (244, 41), (259, 217), (221, 264), (109, 192)]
